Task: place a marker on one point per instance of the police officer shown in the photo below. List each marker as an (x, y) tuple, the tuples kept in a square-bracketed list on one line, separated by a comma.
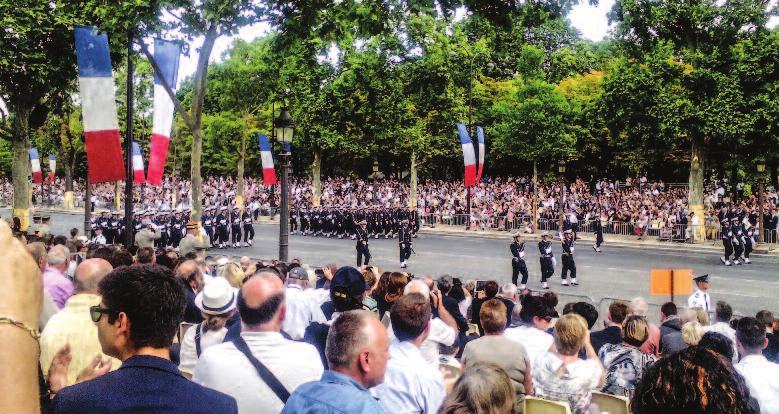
[(547, 267), (222, 227), (727, 239), (518, 264), (404, 242), (248, 227), (361, 235), (700, 298), (568, 263)]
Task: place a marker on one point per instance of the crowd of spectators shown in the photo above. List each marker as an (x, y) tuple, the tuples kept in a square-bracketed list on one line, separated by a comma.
[(146, 331)]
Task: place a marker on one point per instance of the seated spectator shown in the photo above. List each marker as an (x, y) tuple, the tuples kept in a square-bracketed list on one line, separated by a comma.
[(54, 280), (491, 290), (137, 318), (759, 373), (446, 287), (670, 330), (302, 309), (121, 257), (73, 325), (691, 381), (771, 351), (411, 385), (718, 343), (387, 293), (482, 388), (357, 353), (462, 296), (586, 311), (640, 307), (532, 333), (722, 316), (612, 333), (497, 349), (231, 367), (192, 279), (625, 363), (145, 255), (692, 332), (217, 304), (560, 375), (233, 273)]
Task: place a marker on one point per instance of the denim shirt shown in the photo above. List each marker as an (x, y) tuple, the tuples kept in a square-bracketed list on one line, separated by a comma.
[(335, 393)]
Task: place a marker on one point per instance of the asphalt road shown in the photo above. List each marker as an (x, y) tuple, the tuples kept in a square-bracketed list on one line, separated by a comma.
[(618, 272)]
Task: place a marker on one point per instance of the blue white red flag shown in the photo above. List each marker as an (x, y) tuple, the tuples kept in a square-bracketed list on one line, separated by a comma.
[(35, 166), (166, 54), (268, 169), (469, 158), (138, 176), (98, 108), (480, 137)]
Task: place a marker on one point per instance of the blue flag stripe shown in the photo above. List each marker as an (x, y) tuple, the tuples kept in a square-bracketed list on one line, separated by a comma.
[(166, 54), (94, 60)]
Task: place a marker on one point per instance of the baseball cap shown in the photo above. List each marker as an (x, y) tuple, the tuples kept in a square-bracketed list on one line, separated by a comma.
[(347, 283), (298, 273)]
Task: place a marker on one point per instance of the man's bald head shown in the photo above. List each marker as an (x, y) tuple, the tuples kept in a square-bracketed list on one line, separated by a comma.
[(261, 302), (186, 268), (89, 274), (189, 271)]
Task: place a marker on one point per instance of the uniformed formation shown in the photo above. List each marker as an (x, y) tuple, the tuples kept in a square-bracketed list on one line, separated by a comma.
[(546, 259), (737, 231), (342, 222)]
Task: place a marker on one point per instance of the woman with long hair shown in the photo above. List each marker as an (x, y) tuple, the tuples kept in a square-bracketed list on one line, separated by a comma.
[(483, 388)]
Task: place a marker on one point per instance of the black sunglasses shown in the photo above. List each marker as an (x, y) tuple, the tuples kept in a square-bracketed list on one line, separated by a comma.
[(96, 312)]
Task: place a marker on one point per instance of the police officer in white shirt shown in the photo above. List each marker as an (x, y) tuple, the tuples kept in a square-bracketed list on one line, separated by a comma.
[(701, 298)]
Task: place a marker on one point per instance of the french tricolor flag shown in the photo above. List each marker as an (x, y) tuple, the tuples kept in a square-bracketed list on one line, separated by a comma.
[(98, 108), (480, 137), (268, 170), (469, 158), (138, 175), (166, 54), (35, 164)]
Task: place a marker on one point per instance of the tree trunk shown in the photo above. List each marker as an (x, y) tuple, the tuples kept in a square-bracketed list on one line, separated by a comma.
[(695, 197), (316, 177), (412, 199), (117, 196), (20, 171), (240, 195), (197, 179), (534, 199), (68, 156)]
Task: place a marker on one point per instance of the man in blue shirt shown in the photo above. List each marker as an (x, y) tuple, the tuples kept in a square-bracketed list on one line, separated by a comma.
[(357, 351), (138, 316)]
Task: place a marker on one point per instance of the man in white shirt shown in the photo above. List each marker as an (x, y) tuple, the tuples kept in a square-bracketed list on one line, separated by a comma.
[(227, 369), (302, 308), (722, 316), (411, 385), (532, 333), (758, 372)]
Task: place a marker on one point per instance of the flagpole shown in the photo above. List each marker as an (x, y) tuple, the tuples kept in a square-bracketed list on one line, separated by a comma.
[(128, 142)]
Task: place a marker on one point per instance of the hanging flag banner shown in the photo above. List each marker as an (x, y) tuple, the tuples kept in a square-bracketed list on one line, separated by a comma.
[(469, 158), (480, 137), (35, 166), (98, 108), (166, 54), (138, 176), (268, 169), (52, 167)]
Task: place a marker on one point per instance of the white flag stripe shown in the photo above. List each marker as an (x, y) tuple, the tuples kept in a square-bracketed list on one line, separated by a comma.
[(163, 112), (137, 163), (267, 159), (97, 103), (469, 156), (36, 165)]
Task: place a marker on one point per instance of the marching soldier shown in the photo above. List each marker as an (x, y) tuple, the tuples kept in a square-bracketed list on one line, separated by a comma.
[(248, 227), (738, 240), (597, 227), (568, 262), (176, 229), (235, 227), (293, 222), (98, 238), (222, 227), (103, 223), (361, 234), (138, 222), (404, 242), (547, 267), (749, 240), (208, 225), (727, 240), (700, 298), (518, 264)]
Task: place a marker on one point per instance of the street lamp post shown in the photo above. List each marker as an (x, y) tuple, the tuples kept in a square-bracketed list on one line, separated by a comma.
[(760, 195), (561, 170), (284, 128)]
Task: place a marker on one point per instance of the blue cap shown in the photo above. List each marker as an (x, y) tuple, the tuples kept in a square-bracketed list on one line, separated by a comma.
[(347, 281)]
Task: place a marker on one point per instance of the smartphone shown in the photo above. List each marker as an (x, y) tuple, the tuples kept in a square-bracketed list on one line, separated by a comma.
[(319, 273), (480, 285)]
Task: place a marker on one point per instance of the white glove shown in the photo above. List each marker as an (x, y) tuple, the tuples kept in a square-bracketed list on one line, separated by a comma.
[(572, 249), (548, 251), (521, 255)]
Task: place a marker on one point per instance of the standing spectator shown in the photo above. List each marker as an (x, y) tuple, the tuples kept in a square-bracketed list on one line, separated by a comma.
[(612, 333), (625, 363), (560, 375), (759, 373), (446, 285), (217, 305), (138, 316), (192, 279), (357, 353), (54, 280), (692, 332), (532, 333), (482, 388), (497, 349), (301, 307), (411, 385), (73, 325), (639, 306), (692, 381), (771, 352), (722, 314), (230, 367)]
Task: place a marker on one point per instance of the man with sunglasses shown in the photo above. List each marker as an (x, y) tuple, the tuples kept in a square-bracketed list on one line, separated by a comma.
[(138, 316)]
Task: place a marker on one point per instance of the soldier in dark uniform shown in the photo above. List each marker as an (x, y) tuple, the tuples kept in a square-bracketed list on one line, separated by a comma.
[(738, 240), (415, 222), (112, 236), (404, 242), (547, 268), (177, 228), (162, 224), (208, 224), (304, 222), (235, 227), (361, 234), (137, 222), (248, 228), (104, 223), (120, 228), (518, 264), (222, 227), (749, 240), (597, 228), (727, 239), (568, 262), (293, 222)]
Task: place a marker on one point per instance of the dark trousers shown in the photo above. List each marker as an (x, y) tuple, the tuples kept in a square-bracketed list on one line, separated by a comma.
[(748, 247), (363, 250), (236, 233), (598, 238), (110, 235), (224, 234), (175, 237), (405, 252), (248, 232), (210, 233), (738, 250), (518, 266), (568, 264), (547, 270), (728, 248)]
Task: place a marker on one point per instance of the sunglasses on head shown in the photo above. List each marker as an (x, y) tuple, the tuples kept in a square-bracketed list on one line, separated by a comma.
[(96, 312)]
